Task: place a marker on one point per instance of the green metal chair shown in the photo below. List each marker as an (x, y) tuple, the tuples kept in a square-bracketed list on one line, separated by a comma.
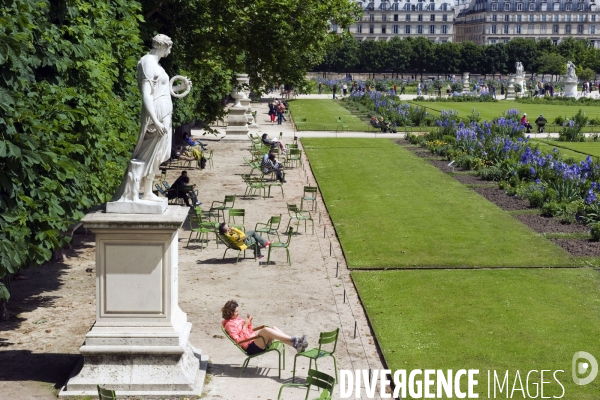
[(252, 164), (226, 204), (276, 345), (202, 227), (274, 182), (315, 378), (315, 354), (233, 246), (294, 157), (271, 226), (299, 215), (282, 245), (106, 394), (237, 212), (209, 159), (310, 194), (253, 185)]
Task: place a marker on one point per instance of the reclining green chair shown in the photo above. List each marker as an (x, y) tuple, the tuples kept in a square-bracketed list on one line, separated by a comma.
[(315, 354), (315, 378), (276, 345), (106, 394), (233, 246)]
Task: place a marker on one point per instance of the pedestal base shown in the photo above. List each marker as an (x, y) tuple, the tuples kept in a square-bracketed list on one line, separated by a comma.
[(157, 373), (510, 93), (570, 89)]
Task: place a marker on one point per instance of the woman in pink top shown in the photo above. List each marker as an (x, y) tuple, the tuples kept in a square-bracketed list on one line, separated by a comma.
[(242, 332)]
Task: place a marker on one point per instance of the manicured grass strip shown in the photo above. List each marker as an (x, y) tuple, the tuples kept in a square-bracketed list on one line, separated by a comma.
[(525, 319), (585, 148), (322, 115), (547, 146), (392, 209), (492, 110)]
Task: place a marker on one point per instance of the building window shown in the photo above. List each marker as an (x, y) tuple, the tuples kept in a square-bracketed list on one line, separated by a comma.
[(395, 17), (408, 17), (432, 29), (568, 19), (494, 7), (420, 29), (543, 29), (371, 17), (531, 6), (420, 17), (384, 5), (383, 29), (519, 6), (494, 18), (492, 41), (580, 7), (395, 7), (593, 18), (555, 42), (371, 28), (383, 17), (505, 29), (506, 18), (543, 18), (530, 29), (555, 29), (395, 29), (506, 6), (518, 29), (556, 6), (407, 29), (593, 29), (580, 29), (444, 7), (581, 18), (444, 29), (493, 30), (568, 7), (432, 17), (519, 18), (445, 17), (531, 18), (556, 16)]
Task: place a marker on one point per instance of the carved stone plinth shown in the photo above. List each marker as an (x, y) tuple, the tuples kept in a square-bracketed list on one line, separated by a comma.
[(237, 122), (570, 88), (139, 344), (510, 90), (466, 84)]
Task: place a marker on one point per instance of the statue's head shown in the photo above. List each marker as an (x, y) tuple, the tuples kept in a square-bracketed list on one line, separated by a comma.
[(161, 41)]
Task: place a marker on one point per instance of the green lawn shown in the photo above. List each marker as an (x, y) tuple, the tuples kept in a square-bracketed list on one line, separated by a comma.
[(503, 319), (392, 209), (492, 110), (547, 146), (581, 148), (322, 115)]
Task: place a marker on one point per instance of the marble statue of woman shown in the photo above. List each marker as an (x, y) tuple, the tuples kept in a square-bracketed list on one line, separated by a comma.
[(154, 142), (519, 68), (571, 70)]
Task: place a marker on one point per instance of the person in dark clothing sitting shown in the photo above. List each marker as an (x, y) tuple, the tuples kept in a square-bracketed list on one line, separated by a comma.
[(176, 190), (541, 123)]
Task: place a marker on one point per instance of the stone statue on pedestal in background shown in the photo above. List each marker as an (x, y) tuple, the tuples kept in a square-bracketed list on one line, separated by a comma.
[(154, 142), (570, 71), (519, 68)]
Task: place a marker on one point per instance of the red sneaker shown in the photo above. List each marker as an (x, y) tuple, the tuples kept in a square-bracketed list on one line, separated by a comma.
[(268, 243)]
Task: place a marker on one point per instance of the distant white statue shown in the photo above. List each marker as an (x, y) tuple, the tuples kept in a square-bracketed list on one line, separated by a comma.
[(154, 142), (570, 71), (519, 68)]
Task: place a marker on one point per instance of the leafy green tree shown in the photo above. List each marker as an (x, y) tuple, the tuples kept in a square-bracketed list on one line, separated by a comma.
[(371, 55), (342, 56), (447, 57), (471, 56), (423, 55), (69, 104), (523, 50), (550, 63), (495, 59), (575, 50), (398, 55), (586, 74)]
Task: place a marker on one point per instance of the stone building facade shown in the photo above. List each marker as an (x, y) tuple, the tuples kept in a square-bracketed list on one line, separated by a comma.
[(498, 21), (384, 19)]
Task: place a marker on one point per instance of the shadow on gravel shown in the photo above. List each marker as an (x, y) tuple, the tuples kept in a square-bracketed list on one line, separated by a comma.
[(23, 365)]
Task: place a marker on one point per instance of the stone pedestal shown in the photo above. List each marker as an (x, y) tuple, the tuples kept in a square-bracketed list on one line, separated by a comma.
[(510, 90), (244, 82), (139, 344), (237, 122), (521, 81), (570, 88), (466, 84)]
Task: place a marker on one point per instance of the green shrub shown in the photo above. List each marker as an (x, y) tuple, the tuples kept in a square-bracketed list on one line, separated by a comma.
[(550, 209), (451, 140), (559, 120), (536, 198), (595, 231), (492, 173)]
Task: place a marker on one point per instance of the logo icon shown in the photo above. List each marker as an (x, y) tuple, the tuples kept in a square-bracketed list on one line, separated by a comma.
[(582, 367)]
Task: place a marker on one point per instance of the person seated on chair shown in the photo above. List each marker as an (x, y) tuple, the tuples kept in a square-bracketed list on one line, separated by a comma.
[(273, 143), (270, 164), (375, 122), (243, 240), (175, 192), (240, 329), (526, 123), (541, 123), (192, 142)]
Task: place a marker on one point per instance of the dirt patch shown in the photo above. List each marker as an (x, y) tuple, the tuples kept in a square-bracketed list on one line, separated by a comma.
[(501, 199), (550, 225), (579, 247), (469, 179)]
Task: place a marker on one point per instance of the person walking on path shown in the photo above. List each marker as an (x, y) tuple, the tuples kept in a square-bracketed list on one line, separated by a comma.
[(334, 88)]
